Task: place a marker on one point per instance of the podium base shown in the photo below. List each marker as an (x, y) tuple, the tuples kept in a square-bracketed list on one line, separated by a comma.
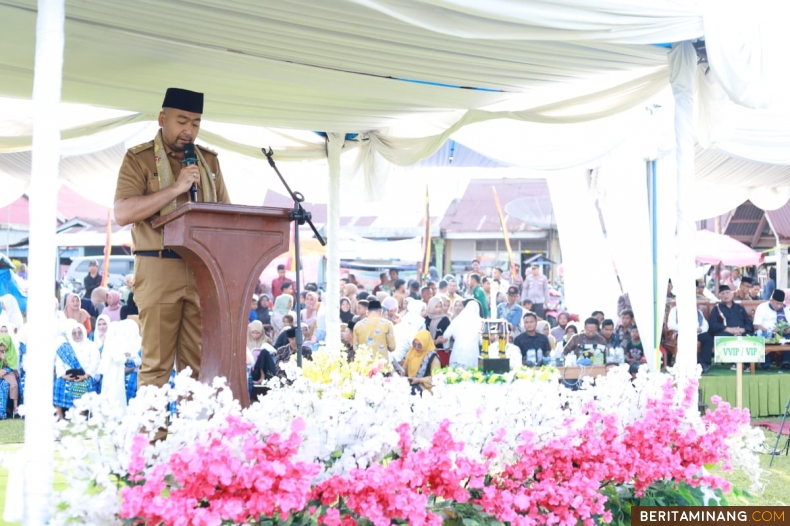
[(494, 365)]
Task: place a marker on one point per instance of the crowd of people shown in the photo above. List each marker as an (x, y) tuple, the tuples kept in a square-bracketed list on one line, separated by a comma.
[(417, 327), (104, 360)]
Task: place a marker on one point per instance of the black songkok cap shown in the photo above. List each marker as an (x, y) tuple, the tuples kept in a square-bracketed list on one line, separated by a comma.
[(778, 295), (183, 99), (747, 280)]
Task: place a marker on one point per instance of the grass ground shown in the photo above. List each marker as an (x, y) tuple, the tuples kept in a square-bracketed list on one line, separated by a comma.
[(776, 479)]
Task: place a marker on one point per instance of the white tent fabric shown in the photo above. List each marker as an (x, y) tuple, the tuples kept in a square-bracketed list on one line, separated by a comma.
[(737, 62), (321, 66)]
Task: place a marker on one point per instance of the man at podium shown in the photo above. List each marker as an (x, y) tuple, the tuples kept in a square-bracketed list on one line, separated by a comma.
[(154, 179)]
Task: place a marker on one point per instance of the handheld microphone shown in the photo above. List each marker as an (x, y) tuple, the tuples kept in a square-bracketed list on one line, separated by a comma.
[(189, 159)]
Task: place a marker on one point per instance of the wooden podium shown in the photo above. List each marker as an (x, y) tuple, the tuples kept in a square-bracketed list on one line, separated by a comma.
[(226, 247)]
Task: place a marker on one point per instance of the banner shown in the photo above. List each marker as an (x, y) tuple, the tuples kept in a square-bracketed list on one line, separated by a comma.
[(739, 349)]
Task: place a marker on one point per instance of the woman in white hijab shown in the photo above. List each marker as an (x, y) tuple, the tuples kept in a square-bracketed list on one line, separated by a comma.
[(122, 345), (76, 367), (465, 330), (410, 324), (102, 328)]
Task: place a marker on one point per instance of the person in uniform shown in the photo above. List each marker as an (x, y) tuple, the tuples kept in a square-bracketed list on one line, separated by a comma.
[(153, 181)]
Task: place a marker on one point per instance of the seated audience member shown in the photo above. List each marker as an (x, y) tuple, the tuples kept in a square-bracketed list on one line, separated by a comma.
[(598, 315), (421, 362), (766, 317), (347, 339), (76, 367), (282, 339), (570, 332), (729, 318), (263, 313), (73, 311), (545, 329), (705, 356), (253, 309), (510, 310), (345, 310), (589, 337), (623, 333), (283, 306), (9, 383), (607, 332), (562, 321), (437, 321), (742, 293), (532, 340), (634, 352), (754, 292)]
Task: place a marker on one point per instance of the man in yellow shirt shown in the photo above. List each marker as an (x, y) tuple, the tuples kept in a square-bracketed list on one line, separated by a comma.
[(375, 332)]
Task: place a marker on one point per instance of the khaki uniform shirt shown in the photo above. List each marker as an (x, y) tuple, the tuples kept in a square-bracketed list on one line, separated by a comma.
[(138, 176)]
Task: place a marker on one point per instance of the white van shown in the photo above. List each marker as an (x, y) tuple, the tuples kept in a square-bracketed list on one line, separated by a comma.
[(120, 266)]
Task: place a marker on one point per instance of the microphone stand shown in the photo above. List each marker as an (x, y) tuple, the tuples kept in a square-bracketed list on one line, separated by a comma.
[(300, 216)]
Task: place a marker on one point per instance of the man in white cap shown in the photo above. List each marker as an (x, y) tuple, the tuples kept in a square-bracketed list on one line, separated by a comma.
[(766, 318)]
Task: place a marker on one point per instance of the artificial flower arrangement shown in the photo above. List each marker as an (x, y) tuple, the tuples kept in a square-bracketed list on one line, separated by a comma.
[(455, 375), (523, 452)]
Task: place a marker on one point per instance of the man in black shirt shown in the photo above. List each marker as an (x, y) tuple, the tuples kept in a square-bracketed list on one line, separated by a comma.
[(729, 318), (531, 339), (93, 279)]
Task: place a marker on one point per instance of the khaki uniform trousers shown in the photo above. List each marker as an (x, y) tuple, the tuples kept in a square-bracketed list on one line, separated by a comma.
[(166, 294)]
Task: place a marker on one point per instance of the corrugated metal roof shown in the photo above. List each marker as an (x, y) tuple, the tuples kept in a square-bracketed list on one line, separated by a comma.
[(747, 211), (476, 210)]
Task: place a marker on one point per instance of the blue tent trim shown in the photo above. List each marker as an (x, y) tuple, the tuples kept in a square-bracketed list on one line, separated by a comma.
[(457, 155)]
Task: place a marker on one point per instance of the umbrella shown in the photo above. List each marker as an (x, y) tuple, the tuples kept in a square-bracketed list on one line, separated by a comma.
[(717, 248)]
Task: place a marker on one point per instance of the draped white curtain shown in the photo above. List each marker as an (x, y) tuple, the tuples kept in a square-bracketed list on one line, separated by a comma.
[(590, 281), (731, 29), (621, 187)]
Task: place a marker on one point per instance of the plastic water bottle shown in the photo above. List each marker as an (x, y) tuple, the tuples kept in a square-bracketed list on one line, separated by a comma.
[(532, 357), (597, 356)]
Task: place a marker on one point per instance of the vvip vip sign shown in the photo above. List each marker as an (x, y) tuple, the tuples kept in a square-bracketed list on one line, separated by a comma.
[(739, 349)]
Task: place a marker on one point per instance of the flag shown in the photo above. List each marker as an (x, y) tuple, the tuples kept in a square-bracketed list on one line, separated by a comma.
[(426, 239), (513, 271), (107, 250)]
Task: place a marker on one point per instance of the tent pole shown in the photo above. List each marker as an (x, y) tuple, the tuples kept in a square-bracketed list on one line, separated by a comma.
[(38, 456), (332, 301)]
